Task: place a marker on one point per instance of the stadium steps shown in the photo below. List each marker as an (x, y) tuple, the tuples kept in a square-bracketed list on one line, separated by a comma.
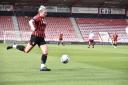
[(16, 28), (24, 28), (76, 28), (57, 25)]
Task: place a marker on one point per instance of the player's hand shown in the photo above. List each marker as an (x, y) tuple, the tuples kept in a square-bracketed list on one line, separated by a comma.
[(33, 28)]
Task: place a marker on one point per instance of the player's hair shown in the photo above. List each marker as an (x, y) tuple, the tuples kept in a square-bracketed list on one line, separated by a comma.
[(42, 8)]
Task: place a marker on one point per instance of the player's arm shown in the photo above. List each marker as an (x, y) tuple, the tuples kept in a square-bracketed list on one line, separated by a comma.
[(112, 37), (31, 23)]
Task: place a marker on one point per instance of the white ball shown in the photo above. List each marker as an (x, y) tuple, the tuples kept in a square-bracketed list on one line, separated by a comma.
[(126, 30), (64, 59)]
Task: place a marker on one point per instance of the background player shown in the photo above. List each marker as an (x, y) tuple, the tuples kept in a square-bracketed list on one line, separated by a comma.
[(61, 39), (114, 39), (38, 26), (91, 39)]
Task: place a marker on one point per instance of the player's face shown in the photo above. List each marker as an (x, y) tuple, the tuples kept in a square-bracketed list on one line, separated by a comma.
[(43, 13)]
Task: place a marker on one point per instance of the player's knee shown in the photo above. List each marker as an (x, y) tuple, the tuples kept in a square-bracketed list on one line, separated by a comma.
[(45, 51)]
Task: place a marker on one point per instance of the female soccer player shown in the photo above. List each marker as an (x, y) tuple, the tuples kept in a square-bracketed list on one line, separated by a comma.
[(91, 39), (38, 26), (61, 39), (114, 39)]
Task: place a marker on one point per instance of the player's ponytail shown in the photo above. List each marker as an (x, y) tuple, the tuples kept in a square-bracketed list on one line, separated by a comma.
[(42, 8)]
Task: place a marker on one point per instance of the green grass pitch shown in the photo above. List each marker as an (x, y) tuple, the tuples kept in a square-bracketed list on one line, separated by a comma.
[(102, 65)]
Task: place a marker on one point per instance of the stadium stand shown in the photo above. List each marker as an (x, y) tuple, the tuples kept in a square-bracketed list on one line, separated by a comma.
[(102, 25), (6, 24), (57, 25), (23, 23), (24, 28), (53, 28)]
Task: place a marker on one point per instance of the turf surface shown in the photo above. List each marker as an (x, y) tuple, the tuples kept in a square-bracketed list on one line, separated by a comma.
[(102, 65)]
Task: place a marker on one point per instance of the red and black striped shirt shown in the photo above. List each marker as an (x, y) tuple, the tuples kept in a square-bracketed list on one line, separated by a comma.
[(61, 36), (115, 36), (39, 26)]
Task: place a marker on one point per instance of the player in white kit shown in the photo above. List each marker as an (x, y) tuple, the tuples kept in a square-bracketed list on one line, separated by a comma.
[(91, 39)]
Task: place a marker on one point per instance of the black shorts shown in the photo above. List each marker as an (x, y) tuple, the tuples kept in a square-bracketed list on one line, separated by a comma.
[(37, 40), (91, 41), (60, 39)]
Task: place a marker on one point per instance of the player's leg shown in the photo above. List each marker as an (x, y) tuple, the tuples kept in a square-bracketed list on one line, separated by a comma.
[(28, 48), (58, 43), (115, 44), (93, 43), (21, 47), (89, 43), (44, 49), (62, 42), (18, 47)]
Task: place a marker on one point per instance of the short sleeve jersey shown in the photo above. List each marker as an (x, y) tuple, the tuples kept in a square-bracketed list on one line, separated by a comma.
[(39, 26)]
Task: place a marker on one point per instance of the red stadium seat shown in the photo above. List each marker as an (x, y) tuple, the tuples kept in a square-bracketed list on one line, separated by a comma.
[(102, 25)]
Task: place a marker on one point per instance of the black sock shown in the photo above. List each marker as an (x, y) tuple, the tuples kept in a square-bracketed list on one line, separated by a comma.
[(58, 43), (93, 46), (115, 44), (44, 58), (63, 43), (20, 47)]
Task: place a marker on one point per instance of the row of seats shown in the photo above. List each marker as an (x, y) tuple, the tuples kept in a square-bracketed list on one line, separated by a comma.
[(101, 21), (23, 23), (57, 25), (102, 25), (6, 23)]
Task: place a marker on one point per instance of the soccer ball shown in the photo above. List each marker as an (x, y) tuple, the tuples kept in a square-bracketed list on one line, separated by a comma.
[(64, 59)]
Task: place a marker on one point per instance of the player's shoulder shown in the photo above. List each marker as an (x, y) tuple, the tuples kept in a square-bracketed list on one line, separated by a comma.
[(37, 17)]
